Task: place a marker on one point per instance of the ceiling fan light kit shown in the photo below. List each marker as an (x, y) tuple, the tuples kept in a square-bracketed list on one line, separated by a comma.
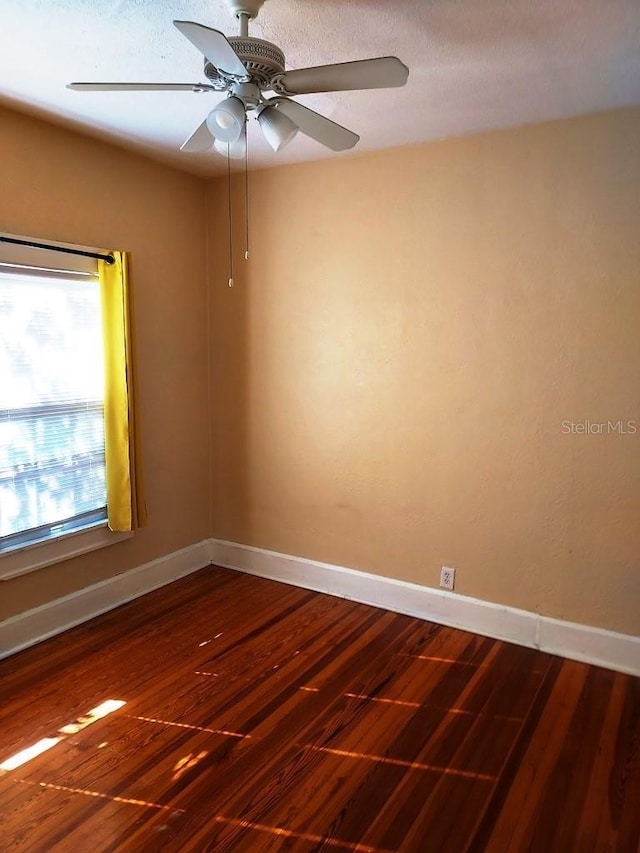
[(277, 128), (245, 68), (226, 121)]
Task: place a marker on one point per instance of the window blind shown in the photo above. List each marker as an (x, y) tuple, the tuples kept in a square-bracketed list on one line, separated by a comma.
[(52, 467)]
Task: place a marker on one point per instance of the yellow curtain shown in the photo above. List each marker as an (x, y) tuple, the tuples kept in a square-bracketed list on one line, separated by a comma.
[(126, 509)]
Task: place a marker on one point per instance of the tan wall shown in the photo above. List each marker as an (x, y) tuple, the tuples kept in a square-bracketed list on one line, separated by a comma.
[(59, 185), (391, 372), (393, 367)]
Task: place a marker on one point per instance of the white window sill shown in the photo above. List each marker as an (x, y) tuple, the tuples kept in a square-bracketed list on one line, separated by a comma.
[(41, 554)]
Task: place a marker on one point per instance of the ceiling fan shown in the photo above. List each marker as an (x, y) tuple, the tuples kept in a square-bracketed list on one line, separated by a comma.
[(245, 68)]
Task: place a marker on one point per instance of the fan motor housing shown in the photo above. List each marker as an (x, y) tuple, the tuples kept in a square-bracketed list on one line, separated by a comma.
[(262, 59)]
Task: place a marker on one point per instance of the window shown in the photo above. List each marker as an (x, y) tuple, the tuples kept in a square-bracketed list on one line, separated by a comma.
[(68, 461), (52, 456)]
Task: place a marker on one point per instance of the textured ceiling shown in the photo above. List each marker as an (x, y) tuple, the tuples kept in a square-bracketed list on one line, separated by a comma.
[(474, 65)]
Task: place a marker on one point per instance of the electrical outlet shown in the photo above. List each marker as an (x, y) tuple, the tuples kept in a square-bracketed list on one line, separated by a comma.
[(447, 577)]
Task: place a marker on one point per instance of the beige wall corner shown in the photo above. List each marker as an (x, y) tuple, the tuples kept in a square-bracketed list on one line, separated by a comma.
[(398, 373), (57, 184)]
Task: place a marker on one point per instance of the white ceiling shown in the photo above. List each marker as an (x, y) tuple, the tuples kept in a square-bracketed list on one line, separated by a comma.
[(474, 65)]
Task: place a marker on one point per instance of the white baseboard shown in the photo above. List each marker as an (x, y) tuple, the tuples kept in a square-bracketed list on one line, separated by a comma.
[(620, 652), (32, 626)]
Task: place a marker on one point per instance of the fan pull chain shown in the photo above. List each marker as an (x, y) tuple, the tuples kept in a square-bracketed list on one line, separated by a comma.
[(230, 219), (246, 197)]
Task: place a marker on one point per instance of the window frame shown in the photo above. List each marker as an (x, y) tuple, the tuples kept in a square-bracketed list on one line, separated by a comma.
[(31, 556), (39, 555)]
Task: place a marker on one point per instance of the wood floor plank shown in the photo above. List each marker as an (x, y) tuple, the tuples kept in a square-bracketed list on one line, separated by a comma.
[(263, 717), (596, 806), (247, 767), (517, 820)]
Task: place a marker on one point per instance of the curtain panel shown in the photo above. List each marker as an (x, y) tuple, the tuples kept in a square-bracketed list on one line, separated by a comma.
[(126, 509)]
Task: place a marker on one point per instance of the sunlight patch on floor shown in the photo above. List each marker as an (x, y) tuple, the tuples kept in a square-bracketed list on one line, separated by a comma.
[(303, 836), (97, 713), (31, 752), (413, 765), (187, 763), (206, 642), (188, 726), (406, 704), (130, 801)]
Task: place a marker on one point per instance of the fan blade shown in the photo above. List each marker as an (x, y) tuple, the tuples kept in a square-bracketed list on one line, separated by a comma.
[(382, 73), (200, 140), (322, 129), (141, 87), (214, 45)]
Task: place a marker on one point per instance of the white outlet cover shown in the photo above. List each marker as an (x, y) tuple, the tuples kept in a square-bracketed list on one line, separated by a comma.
[(447, 577)]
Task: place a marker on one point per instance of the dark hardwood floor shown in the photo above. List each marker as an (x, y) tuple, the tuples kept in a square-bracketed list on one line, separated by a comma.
[(262, 717)]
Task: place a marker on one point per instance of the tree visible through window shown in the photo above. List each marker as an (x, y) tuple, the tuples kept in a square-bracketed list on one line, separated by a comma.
[(52, 458)]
